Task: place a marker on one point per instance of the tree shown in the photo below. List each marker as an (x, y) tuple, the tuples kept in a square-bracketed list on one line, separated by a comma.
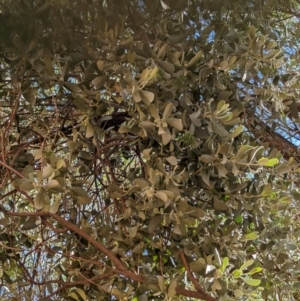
[(149, 150)]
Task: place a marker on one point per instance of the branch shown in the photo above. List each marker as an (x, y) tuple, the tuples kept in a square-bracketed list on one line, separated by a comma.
[(197, 295), (119, 265), (190, 274), (200, 292), (120, 268)]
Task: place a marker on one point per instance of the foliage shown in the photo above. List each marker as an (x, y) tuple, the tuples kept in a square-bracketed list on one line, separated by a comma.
[(148, 150)]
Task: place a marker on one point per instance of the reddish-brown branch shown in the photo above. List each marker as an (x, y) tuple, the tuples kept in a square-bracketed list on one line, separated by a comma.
[(11, 169), (196, 295), (118, 264), (201, 294), (190, 274)]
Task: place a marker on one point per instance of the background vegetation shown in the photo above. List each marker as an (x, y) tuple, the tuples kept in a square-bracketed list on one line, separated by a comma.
[(149, 150)]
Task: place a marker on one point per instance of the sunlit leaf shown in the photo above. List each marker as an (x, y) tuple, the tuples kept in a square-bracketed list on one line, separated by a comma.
[(255, 270), (237, 273), (224, 265), (250, 236), (237, 131), (252, 282), (246, 264), (238, 293)]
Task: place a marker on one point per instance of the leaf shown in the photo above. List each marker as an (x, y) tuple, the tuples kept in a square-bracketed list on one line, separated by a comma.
[(162, 51), (38, 154), (147, 96), (89, 130), (155, 223), (153, 111), (61, 165), (41, 199), (196, 212), (232, 61), (239, 219), (237, 131), (175, 123), (220, 205), (132, 231), (249, 65), (194, 117), (161, 283), (55, 206), (172, 160), (83, 200), (23, 184), (243, 149), (72, 87), (267, 190), (220, 130), (141, 183), (218, 84), (224, 64), (29, 224), (237, 273), (257, 151), (5, 221), (100, 64), (255, 270), (47, 172), (162, 130), (172, 289), (250, 236), (247, 264), (263, 161), (217, 256), (161, 195), (54, 184), (30, 96), (272, 54), (167, 111), (131, 56), (99, 81), (225, 263), (81, 293), (222, 104), (251, 32), (283, 169), (138, 248), (291, 247), (216, 285), (195, 59), (166, 136), (79, 191), (252, 282), (208, 158), (74, 296), (166, 66), (272, 162), (198, 265), (238, 293), (147, 125)]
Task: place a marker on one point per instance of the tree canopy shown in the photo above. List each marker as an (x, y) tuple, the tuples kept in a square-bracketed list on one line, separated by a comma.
[(149, 150)]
